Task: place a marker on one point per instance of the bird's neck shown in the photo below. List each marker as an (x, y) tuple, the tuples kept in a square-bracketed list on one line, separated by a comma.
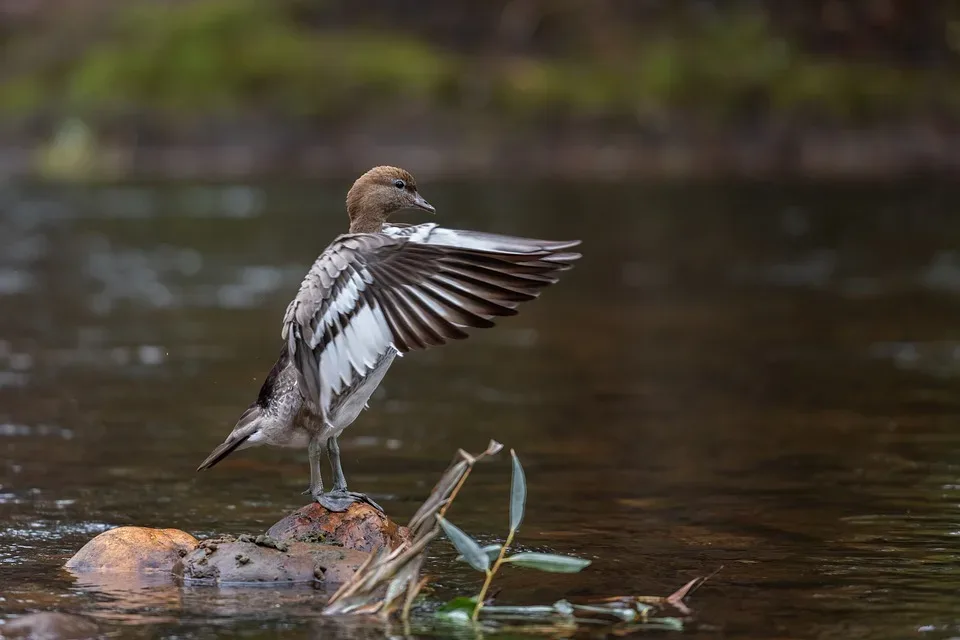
[(366, 222)]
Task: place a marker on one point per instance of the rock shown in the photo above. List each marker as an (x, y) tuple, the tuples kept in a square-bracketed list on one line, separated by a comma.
[(311, 544), (50, 625), (264, 559), (139, 549), (360, 527)]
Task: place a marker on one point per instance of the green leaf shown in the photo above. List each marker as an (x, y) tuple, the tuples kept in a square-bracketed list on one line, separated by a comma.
[(460, 602), (492, 551), (666, 624), (471, 551), (548, 562), (458, 611), (518, 493)]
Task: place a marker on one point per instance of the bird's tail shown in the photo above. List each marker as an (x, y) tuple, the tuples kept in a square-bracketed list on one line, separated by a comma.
[(234, 440), (247, 425)]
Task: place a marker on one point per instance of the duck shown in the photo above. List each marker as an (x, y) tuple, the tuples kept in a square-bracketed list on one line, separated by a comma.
[(377, 292)]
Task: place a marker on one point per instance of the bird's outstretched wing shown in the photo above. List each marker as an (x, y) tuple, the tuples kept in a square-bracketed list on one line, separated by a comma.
[(409, 287)]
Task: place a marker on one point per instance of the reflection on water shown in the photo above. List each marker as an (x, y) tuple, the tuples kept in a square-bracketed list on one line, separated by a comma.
[(755, 377)]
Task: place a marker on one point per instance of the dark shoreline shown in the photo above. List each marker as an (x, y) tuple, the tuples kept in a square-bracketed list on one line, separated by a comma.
[(461, 153)]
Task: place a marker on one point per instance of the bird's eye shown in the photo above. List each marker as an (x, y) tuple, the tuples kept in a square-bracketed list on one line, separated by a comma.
[(399, 184)]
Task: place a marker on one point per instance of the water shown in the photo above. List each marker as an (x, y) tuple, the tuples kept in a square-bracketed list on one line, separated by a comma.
[(761, 378)]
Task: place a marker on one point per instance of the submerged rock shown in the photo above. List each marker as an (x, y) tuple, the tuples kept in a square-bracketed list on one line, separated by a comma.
[(265, 559), (50, 625), (132, 549), (360, 527)]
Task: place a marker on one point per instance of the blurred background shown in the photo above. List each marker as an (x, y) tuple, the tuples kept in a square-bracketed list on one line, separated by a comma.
[(755, 365), (529, 87)]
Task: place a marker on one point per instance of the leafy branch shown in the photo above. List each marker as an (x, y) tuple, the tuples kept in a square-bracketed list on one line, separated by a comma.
[(389, 573), (479, 557), (389, 581)]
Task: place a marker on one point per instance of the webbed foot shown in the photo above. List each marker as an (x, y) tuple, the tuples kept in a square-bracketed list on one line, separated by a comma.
[(340, 500)]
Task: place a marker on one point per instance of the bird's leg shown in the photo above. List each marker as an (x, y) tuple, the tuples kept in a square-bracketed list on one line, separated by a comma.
[(315, 449), (333, 452), (338, 498)]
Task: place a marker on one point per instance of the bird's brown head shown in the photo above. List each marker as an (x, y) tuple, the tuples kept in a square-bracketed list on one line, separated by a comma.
[(377, 194)]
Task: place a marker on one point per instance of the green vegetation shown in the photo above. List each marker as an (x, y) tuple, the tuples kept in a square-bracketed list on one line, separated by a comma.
[(238, 57), (389, 584), (491, 558), (219, 56)]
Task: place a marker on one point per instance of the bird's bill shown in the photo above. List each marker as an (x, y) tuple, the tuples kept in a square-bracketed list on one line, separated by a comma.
[(420, 203)]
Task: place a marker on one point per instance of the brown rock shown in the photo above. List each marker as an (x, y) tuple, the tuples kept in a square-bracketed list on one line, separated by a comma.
[(360, 527), (263, 559), (139, 549), (50, 625)]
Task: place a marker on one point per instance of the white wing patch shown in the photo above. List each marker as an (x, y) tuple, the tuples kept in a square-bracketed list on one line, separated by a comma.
[(414, 232), (430, 233), (363, 337), (344, 302), (473, 240)]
